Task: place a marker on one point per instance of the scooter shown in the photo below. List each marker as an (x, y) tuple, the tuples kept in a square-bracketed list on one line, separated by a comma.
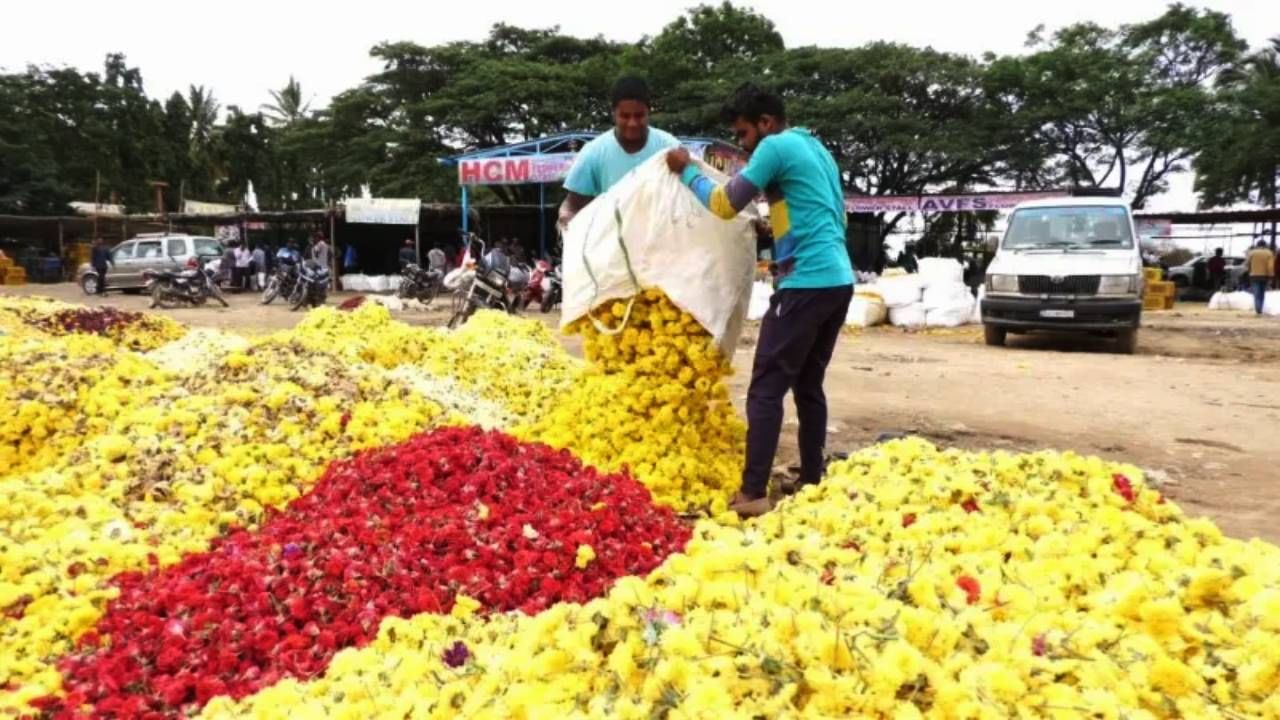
[(544, 287)]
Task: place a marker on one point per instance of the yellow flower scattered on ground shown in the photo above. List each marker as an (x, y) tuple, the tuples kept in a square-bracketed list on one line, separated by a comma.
[(838, 605)]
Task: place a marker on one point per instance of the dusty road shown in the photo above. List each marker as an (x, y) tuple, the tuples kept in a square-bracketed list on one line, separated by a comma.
[(1199, 404)]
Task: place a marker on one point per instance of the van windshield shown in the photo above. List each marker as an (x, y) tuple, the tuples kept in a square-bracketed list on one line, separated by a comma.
[(1067, 227)]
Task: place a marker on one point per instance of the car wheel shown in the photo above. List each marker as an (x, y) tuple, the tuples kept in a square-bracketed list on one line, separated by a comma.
[(1127, 341), (994, 336), (89, 283)]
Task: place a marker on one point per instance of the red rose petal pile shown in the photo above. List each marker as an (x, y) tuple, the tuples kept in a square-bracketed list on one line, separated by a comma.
[(390, 532)]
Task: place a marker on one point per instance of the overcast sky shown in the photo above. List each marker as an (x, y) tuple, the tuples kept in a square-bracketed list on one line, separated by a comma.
[(244, 49)]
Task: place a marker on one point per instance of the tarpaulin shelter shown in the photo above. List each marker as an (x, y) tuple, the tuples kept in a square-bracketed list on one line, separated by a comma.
[(547, 161)]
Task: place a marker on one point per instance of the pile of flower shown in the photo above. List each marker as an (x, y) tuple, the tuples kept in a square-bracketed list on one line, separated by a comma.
[(132, 330), (200, 455), (655, 402), (56, 392), (912, 583), (495, 358), (194, 529), (390, 533)]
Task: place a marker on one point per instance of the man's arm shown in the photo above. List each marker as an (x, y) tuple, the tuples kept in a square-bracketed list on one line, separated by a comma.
[(572, 205), (725, 201)]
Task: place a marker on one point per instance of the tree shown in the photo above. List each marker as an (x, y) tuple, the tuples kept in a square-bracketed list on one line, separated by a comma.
[(29, 177), (288, 107), (1241, 160), (1120, 109)]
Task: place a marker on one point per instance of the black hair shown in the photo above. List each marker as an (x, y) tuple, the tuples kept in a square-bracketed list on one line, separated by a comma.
[(630, 87), (750, 102)]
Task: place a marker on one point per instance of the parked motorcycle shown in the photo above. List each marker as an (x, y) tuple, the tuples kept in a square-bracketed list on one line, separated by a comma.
[(281, 283), (193, 285), (544, 287), (312, 286), (421, 284), (488, 287), (552, 289)]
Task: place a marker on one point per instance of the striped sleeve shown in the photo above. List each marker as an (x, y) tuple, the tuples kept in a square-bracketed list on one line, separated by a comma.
[(724, 201)]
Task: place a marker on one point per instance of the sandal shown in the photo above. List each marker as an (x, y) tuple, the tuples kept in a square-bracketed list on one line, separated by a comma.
[(750, 507)]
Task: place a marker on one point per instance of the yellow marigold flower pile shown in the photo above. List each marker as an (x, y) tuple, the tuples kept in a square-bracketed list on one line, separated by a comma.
[(135, 331), (913, 583), (57, 391), (654, 401)]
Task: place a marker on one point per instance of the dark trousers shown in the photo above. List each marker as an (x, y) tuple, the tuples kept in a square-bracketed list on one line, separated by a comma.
[(1260, 292), (797, 337), (102, 278)]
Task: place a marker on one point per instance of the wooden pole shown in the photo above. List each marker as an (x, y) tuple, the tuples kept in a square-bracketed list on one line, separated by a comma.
[(61, 255), (417, 242)]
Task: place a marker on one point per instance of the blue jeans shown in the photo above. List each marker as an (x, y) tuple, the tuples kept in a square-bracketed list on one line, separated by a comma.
[(1259, 292)]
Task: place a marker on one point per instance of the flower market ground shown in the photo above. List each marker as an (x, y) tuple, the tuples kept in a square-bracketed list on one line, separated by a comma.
[(1198, 406)]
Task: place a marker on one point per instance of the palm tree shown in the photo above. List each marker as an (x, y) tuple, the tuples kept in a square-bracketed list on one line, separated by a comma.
[(288, 107)]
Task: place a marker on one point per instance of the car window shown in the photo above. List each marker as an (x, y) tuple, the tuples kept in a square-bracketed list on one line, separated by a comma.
[(122, 252), (1069, 226), (177, 247), (208, 246), (148, 250)]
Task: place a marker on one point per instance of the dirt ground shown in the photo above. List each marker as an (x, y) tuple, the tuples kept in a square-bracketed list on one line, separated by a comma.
[(1198, 407)]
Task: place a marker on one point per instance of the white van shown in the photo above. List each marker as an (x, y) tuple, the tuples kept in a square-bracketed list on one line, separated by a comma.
[(1066, 264)]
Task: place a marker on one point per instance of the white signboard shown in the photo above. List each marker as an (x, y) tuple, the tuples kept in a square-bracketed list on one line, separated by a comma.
[(383, 211), (195, 207)]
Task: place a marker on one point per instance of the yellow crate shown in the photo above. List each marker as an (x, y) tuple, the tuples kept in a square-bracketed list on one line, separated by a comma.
[(1168, 302), (1162, 289), (1154, 274), (1153, 302)]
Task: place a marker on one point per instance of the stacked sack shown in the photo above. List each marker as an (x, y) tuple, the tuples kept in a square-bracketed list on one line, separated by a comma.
[(947, 301)]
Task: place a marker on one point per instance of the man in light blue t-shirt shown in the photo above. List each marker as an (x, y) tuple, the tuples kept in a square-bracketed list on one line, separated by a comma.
[(798, 334), (608, 158)]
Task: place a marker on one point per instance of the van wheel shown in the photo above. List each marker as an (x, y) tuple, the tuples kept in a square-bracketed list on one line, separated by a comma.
[(995, 336), (1127, 341)]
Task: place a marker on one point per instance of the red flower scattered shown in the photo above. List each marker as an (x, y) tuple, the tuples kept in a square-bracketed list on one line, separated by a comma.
[(908, 520), (1124, 486), (352, 303), (971, 587), (1039, 646), (970, 505), (390, 532), (828, 575)]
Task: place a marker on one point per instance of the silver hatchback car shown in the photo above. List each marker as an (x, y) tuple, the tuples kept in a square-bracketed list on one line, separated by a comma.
[(132, 258)]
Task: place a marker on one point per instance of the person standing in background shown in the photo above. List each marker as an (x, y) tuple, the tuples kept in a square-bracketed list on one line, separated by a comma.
[(100, 259), (1262, 267), (1217, 270), (244, 261), (408, 255), (320, 251), (258, 263)]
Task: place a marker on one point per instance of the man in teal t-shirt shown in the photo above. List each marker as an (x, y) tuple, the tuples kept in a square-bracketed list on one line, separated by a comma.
[(608, 158), (798, 334)]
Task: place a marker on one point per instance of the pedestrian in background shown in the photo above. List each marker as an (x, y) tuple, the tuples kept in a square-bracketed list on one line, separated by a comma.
[(258, 263), (1262, 267), (100, 259), (244, 261), (320, 251)]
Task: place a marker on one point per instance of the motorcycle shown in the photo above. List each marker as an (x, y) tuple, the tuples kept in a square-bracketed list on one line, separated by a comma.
[(421, 284), (312, 286), (552, 289), (544, 287), (193, 285), (282, 283), (488, 287)]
